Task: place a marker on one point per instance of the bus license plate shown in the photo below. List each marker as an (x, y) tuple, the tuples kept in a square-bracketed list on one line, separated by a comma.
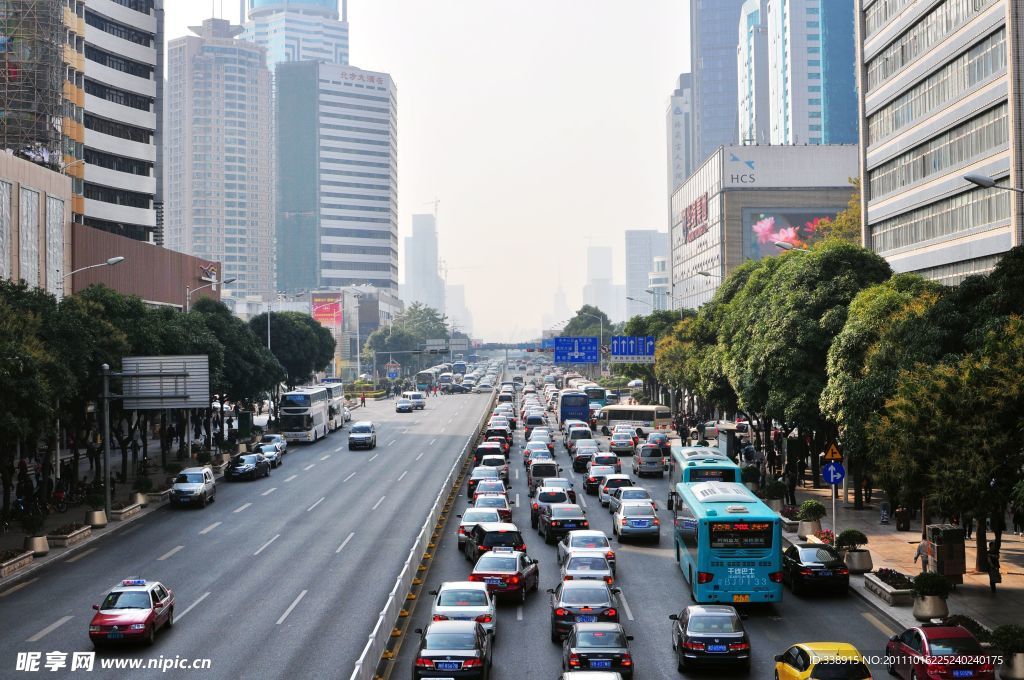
[(600, 663), (741, 598)]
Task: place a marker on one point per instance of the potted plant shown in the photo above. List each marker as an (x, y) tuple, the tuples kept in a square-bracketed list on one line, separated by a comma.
[(775, 491), (141, 486), (851, 544), (826, 536), (751, 476), (930, 593), (34, 525), (811, 512), (96, 517), (1009, 639)]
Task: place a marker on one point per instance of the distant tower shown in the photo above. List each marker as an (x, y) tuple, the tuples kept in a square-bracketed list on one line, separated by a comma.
[(299, 30)]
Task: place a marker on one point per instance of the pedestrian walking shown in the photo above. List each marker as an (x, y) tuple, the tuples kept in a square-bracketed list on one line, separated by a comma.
[(791, 478), (362, 399), (994, 576), (869, 487), (922, 553), (1018, 519), (968, 522)]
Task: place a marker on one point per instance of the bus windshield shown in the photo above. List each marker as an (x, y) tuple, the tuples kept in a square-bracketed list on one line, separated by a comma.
[(295, 400), (296, 422)]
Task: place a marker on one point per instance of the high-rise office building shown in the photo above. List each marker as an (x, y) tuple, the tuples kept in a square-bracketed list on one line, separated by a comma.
[(642, 246), (219, 155), (713, 63), (123, 83), (423, 283), (659, 282), (299, 30), (458, 312), (812, 84), (337, 177), (938, 82), (752, 74), (679, 132)]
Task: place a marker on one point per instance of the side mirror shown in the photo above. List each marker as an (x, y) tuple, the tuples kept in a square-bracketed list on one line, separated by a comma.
[(419, 631), (459, 516), (550, 591), (96, 607), (778, 657), (673, 617), (609, 538), (894, 638), (432, 592), (629, 637), (616, 591)]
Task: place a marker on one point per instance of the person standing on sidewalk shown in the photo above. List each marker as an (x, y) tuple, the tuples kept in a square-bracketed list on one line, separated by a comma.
[(922, 553), (1018, 519), (994, 576), (791, 477)]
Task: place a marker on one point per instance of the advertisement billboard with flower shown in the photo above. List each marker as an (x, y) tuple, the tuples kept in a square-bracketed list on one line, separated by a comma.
[(797, 227)]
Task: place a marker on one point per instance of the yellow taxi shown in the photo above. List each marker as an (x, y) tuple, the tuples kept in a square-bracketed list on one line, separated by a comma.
[(821, 661)]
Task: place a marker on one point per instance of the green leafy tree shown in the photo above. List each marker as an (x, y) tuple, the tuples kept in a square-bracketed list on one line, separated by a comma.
[(660, 324), (846, 226), (588, 321), (423, 322), (293, 342)]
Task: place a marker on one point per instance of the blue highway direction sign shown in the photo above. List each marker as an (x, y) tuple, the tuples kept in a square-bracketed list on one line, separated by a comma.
[(628, 349), (576, 350)]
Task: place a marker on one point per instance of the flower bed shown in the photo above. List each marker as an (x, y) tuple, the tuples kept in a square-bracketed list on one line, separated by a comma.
[(14, 560), (123, 510), (891, 586), (894, 579), (826, 536), (69, 534)]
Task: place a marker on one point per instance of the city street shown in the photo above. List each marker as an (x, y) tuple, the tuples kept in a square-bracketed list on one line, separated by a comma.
[(280, 577)]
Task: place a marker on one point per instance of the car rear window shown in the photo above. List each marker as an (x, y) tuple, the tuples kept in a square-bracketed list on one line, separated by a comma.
[(480, 516), (650, 452), (503, 538), (634, 494), (817, 555), (953, 646), (588, 562), (602, 470), (493, 462), (462, 598), (600, 638), (450, 641), (552, 497), (534, 420), (495, 563), (638, 511), (544, 470), (845, 669), (616, 483), (589, 542), (593, 596), (490, 502), (579, 434), (567, 513), (713, 624)]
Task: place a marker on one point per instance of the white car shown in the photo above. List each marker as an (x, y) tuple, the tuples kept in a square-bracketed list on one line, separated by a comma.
[(465, 601), (583, 565), (470, 518), (586, 539), (608, 484)]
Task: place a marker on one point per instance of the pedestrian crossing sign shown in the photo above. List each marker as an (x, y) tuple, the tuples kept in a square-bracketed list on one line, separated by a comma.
[(832, 453)]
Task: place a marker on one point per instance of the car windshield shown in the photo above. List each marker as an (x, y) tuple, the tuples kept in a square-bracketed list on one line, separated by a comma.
[(494, 563), (484, 472), (490, 502), (600, 638), (953, 646), (361, 429), (189, 478), (131, 599), (818, 555), (588, 563), (491, 486), (450, 641), (480, 516), (722, 623), (589, 542), (567, 513), (245, 460), (638, 511), (592, 596), (616, 483), (551, 497), (846, 669), (493, 462), (462, 598)]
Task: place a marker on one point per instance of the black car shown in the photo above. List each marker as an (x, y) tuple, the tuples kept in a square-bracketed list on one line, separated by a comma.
[(811, 566), (543, 497), (575, 602), (598, 647), (457, 388), (453, 649), (662, 441), (557, 519), (710, 635), (478, 473), (489, 535), (247, 466), (499, 431), (580, 459)]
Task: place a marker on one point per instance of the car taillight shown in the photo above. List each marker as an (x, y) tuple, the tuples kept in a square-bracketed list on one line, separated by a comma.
[(775, 576), (486, 618), (739, 646), (440, 617), (555, 522), (695, 646), (624, 521), (804, 571), (472, 663), (521, 547), (568, 577), (705, 577), (482, 548), (462, 531), (591, 479), (514, 579), (561, 612), (424, 663), (627, 660), (842, 571), (657, 522), (535, 506), (610, 555), (586, 524), (476, 577), (611, 612), (608, 580), (574, 660)]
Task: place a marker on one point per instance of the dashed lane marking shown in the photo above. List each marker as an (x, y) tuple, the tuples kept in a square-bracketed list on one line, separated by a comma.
[(49, 629), (325, 457), (210, 528), (344, 543), (338, 450), (264, 546), (242, 507), (391, 442), (419, 455), (349, 477), (370, 459), (14, 589), (625, 606), (519, 613), (401, 476), (269, 491), (291, 607), (517, 500), (377, 504), (179, 617), (82, 554), (291, 478), (309, 467), (310, 508), (170, 552)]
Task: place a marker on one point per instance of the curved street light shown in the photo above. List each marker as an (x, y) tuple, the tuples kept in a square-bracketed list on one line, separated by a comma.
[(782, 245), (109, 262), (986, 182), (190, 291), (709, 275)]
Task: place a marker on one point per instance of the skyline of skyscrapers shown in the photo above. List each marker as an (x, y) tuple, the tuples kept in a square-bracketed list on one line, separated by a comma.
[(642, 246), (298, 30), (423, 283), (752, 74)]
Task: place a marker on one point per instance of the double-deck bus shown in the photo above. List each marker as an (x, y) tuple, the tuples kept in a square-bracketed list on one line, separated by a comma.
[(335, 405), (304, 414), (727, 543), (646, 417), (573, 406), (691, 464)]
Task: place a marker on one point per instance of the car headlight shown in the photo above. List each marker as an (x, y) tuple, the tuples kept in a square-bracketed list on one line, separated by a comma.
[(137, 626)]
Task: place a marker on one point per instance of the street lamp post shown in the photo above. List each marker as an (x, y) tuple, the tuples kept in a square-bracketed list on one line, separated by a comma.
[(189, 291), (600, 359), (109, 262), (782, 245), (986, 182)]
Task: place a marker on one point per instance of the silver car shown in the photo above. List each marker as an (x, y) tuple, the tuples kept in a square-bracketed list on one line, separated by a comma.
[(278, 439), (627, 494), (193, 485), (473, 516), (636, 520), (586, 539), (272, 453), (581, 565), (465, 601), (621, 442)]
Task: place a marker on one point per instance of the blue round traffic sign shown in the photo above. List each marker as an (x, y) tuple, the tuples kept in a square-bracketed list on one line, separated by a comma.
[(833, 473), (392, 375)]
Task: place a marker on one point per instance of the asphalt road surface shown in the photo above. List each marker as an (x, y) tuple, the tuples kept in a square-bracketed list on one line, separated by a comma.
[(279, 578)]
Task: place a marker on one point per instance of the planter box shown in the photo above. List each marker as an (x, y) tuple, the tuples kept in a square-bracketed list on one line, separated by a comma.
[(68, 540), (789, 525), (218, 470), (15, 564), (158, 497), (895, 597), (125, 513), (815, 540)]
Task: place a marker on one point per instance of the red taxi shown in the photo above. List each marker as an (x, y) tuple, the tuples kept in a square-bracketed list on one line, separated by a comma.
[(133, 610)]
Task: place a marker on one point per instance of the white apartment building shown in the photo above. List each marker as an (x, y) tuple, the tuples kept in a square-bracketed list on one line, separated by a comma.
[(299, 30), (752, 74)]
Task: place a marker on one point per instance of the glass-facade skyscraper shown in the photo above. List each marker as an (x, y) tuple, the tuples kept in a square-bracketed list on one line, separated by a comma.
[(713, 63), (299, 30)]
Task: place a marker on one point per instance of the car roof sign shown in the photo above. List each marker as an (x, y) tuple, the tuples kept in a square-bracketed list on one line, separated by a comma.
[(133, 582)]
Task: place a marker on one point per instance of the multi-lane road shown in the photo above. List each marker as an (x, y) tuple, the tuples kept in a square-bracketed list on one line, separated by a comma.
[(279, 578), (652, 588)]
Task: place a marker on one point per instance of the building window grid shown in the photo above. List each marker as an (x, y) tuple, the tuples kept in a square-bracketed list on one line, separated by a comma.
[(955, 272), (969, 210), (877, 16)]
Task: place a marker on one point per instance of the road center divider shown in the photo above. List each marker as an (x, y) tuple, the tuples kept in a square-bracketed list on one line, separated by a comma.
[(378, 650)]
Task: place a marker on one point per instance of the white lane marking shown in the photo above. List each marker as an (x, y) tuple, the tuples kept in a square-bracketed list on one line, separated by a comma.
[(82, 554), (241, 507), (519, 613), (179, 617), (291, 607), (881, 627), (419, 455), (344, 543), (450, 420), (377, 504), (269, 491), (583, 500), (14, 589), (169, 553), (349, 477), (432, 441), (517, 500), (443, 429), (625, 605), (338, 450), (325, 457), (310, 508), (49, 629), (402, 475), (210, 528), (517, 474), (291, 478), (370, 459), (264, 546), (391, 442), (309, 467)]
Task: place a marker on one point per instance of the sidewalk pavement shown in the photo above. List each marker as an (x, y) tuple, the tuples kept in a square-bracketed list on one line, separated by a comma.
[(895, 550)]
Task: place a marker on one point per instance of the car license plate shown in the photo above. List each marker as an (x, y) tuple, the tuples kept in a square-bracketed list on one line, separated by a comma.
[(448, 665), (640, 524), (494, 581), (586, 619), (741, 598), (569, 525), (600, 663), (115, 636), (717, 648), (958, 673), (825, 572)]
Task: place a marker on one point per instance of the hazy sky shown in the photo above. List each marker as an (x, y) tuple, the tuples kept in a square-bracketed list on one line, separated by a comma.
[(539, 125)]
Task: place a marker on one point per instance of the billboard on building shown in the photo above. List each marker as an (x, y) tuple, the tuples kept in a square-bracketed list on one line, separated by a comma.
[(326, 309), (799, 227)]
